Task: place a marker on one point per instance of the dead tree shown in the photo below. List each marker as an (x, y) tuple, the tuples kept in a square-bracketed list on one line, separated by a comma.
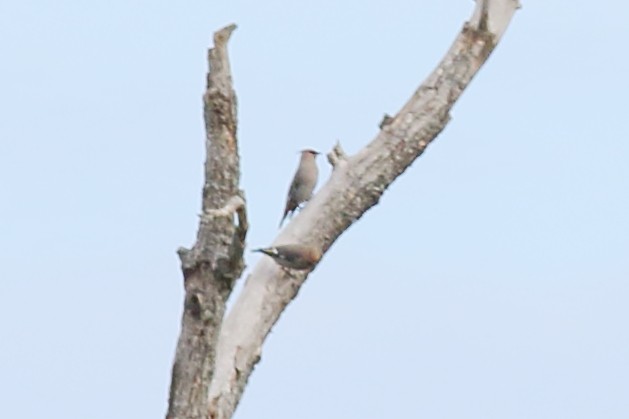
[(216, 353)]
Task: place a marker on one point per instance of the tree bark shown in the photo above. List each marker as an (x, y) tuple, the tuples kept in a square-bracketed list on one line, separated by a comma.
[(212, 266), (227, 355)]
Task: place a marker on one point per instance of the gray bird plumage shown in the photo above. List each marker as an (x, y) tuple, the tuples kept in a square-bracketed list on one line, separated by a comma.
[(303, 183), (293, 256)]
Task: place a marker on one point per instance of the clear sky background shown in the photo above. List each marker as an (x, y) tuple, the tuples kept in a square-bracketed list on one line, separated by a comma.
[(491, 281)]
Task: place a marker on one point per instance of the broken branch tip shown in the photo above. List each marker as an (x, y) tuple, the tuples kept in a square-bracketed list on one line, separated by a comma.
[(222, 35)]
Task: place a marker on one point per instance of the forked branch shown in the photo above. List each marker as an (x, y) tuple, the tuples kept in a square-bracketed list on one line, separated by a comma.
[(216, 356)]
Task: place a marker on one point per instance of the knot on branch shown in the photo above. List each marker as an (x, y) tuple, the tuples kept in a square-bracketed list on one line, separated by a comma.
[(386, 120), (187, 261), (192, 260), (193, 305), (337, 156)]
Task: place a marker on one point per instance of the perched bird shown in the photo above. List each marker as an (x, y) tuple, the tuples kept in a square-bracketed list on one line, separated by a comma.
[(304, 182), (293, 256)]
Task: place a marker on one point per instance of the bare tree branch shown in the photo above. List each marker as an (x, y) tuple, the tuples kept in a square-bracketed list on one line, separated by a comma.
[(215, 261), (355, 186)]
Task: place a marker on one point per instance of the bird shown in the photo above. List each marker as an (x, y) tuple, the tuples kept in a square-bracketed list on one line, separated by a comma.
[(303, 183), (299, 257)]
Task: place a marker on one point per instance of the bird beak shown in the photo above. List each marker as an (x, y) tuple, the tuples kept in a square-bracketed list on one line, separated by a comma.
[(268, 252)]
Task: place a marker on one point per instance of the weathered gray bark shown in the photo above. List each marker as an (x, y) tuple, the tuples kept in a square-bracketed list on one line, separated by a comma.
[(356, 184), (212, 266)]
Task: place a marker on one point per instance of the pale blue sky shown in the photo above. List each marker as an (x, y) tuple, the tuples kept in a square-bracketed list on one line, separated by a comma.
[(490, 282)]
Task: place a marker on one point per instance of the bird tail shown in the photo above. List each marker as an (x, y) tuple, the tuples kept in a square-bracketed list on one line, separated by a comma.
[(289, 207), (283, 218)]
